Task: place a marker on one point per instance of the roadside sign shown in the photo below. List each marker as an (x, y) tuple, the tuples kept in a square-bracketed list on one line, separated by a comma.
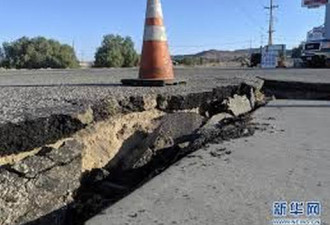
[(272, 55), (269, 59), (314, 3)]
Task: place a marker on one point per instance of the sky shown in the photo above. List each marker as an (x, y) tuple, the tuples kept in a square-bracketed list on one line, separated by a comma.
[(192, 25)]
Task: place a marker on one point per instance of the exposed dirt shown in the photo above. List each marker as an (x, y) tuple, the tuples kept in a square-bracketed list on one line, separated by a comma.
[(115, 146), (104, 140), (101, 188)]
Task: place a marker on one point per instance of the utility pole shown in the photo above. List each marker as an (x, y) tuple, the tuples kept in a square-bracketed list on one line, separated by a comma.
[(271, 30), (327, 21)]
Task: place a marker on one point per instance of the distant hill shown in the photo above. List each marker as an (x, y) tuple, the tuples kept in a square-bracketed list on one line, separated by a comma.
[(220, 55), (224, 55)]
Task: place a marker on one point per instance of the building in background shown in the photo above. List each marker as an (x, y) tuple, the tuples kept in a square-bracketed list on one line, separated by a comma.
[(316, 49)]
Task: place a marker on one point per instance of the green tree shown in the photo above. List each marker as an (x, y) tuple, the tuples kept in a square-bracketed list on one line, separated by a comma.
[(188, 61), (296, 52), (130, 56), (116, 51), (1, 57), (192, 61), (38, 53)]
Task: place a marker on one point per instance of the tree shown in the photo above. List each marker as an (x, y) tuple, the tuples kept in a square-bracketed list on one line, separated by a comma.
[(296, 52), (1, 56), (192, 61), (116, 51), (38, 53), (131, 58)]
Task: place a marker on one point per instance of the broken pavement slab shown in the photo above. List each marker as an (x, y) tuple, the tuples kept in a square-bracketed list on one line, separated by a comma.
[(173, 129), (39, 184), (215, 120), (238, 105), (28, 95), (44, 168)]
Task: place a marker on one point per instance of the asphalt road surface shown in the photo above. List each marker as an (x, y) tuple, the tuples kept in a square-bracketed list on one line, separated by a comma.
[(30, 94), (40, 93), (112, 77), (287, 160)]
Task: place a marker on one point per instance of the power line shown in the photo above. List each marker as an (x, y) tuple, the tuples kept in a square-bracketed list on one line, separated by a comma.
[(250, 18)]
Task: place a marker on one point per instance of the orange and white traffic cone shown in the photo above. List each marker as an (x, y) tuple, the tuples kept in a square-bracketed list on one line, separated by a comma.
[(156, 68)]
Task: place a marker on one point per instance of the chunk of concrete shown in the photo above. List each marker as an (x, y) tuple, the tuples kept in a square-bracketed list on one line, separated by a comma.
[(39, 185), (14, 198), (253, 100), (238, 105), (215, 120), (32, 166), (174, 128)]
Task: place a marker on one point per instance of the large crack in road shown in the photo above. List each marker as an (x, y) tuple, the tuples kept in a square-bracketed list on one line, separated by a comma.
[(287, 159), (73, 172), (59, 184)]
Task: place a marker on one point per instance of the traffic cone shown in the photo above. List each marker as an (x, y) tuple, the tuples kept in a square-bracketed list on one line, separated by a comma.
[(156, 68)]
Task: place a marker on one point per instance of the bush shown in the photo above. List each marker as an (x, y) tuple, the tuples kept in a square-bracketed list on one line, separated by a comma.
[(116, 51), (192, 61), (38, 53)]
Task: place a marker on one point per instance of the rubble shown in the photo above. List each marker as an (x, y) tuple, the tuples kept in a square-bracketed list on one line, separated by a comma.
[(238, 105)]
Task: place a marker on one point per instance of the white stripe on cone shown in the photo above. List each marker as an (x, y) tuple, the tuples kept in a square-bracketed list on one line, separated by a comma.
[(154, 9), (155, 33)]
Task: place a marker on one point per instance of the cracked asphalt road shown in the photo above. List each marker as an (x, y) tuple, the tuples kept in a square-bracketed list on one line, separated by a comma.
[(287, 159), (30, 94)]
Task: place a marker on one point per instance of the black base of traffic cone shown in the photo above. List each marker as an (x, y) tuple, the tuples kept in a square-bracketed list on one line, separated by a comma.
[(150, 82)]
